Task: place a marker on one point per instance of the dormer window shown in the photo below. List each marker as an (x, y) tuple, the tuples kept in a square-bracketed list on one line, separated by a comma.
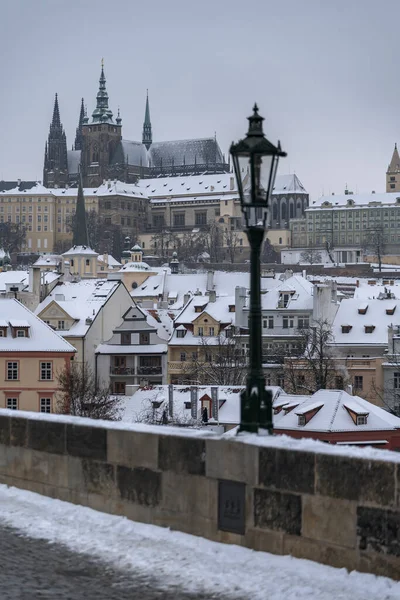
[(21, 333), (180, 333), (302, 420), (369, 328), (361, 419), (362, 310), (3, 331), (346, 328), (390, 311)]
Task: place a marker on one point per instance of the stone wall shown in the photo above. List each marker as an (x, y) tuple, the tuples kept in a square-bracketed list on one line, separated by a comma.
[(335, 509)]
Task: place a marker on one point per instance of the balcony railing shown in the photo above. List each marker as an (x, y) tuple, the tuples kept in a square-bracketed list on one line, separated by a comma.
[(122, 371), (176, 366), (149, 370)]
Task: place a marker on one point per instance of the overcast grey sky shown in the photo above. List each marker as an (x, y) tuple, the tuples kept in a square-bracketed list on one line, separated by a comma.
[(326, 76)]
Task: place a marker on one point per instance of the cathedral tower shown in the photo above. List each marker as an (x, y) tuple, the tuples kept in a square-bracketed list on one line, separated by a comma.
[(147, 136), (393, 173), (78, 136), (55, 170), (100, 139)]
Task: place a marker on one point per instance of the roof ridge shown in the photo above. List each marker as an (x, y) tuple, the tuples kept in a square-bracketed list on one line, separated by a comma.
[(338, 402)]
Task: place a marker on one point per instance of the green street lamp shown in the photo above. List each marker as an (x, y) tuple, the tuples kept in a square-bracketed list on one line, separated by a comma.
[(255, 161)]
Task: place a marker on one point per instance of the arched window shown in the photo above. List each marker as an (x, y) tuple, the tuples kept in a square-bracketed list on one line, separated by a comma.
[(221, 220), (283, 210), (291, 210), (275, 212), (280, 240)]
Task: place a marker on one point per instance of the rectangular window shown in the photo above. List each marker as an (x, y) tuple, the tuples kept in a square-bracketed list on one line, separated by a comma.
[(12, 403), (183, 356), (180, 333), (194, 355), (144, 338), (125, 339), (303, 322), (358, 382), (179, 219), (21, 333), (12, 371), (45, 405), (61, 325), (46, 370), (212, 330), (208, 357), (396, 380), (201, 331), (200, 218)]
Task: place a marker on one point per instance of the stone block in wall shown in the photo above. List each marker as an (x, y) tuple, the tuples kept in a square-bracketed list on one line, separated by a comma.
[(51, 469), (189, 495), (182, 455), (380, 564), (277, 511), (98, 477), (139, 485), (287, 470), (232, 460), (330, 520), (18, 462), (18, 431), (87, 442), (5, 430), (378, 530), (132, 449), (327, 554), (264, 541), (355, 479), (47, 436)]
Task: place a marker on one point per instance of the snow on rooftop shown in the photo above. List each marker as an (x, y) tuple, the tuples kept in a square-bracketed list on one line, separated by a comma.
[(41, 338), (285, 184), (356, 200), (332, 415), (376, 319)]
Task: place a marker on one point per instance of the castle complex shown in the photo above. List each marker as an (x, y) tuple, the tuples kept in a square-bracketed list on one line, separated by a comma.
[(100, 152)]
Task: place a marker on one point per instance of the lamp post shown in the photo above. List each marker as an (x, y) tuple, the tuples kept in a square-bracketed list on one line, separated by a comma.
[(255, 161)]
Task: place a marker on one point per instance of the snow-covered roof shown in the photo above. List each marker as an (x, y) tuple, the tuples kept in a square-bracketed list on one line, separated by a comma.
[(375, 317), (78, 250), (229, 399), (48, 260), (200, 151), (111, 261), (286, 184), (131, 152), (217, 310), (36, 190), (189, 185), (333, 416), (14, 277), (119, 188), (300, 298), (136, 266), (81, 301), (41, 338), (356, 200)]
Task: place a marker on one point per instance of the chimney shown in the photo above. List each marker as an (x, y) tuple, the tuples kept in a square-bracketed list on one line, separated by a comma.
[(186, 299), (210, 281), (240, 303), (105, 259), (34, 281), (212, 296)]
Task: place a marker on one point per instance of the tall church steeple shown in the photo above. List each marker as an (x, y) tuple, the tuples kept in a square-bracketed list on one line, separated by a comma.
[(393, 172), (78, 135), (147, 136), (55, 170), (80, 232), (102, 113)]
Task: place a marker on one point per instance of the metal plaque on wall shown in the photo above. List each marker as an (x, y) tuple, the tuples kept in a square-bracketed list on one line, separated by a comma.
[(232, 506)]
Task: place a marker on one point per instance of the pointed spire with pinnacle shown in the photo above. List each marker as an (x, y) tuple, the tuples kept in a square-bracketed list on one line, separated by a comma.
[(394, 166), (78, 135), (56, 122), (102, 114), (80, 232), (147, 136), (55, 170)]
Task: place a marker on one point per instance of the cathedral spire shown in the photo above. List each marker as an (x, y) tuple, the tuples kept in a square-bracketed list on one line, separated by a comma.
[(56, 122), (147, 136), (80, 232), (55, 169), (102, 114), (78, 135)]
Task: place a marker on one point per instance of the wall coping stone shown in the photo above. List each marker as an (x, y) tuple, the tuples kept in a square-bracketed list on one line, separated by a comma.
[(282, 442)]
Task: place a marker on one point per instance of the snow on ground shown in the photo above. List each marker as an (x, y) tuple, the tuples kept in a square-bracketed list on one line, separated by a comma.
[(178, 559)]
